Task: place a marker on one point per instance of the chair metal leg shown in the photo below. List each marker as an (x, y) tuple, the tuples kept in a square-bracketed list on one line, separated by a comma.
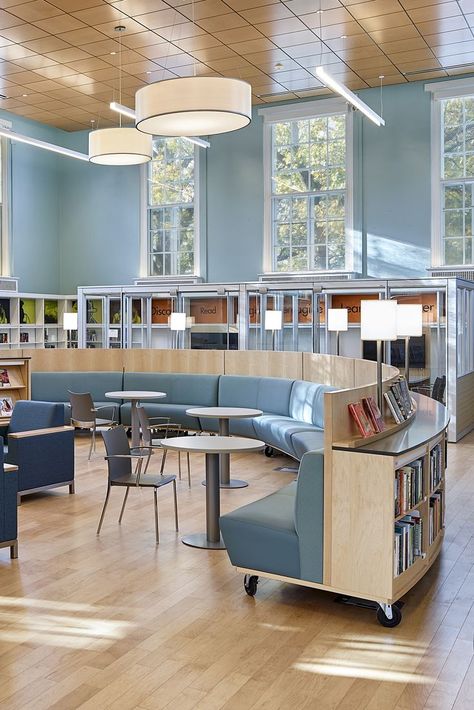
[(179, 465), (14, 550), (103, 509), (124, 504), (72, 488), (163, 460), (175, 505), (155, 502), (189, 468), (92, 446)]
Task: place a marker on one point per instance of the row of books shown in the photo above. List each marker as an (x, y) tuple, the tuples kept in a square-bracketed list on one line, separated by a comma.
[(408, 542), (436, 515), (436, 466), (367, 416), (399, 401), (408, 486)]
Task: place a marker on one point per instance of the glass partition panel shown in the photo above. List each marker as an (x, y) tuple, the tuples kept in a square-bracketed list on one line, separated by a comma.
[(212, 321), (427, 353)]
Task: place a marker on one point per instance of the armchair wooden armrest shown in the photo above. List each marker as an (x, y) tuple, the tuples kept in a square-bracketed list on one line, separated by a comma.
[(40, 432)]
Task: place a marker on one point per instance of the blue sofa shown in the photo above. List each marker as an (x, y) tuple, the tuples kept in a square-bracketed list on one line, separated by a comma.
[(8, 508), (41, 446), (282, 533), (293, 410)]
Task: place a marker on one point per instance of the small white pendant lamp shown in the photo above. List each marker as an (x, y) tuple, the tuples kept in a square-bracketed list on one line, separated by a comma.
[(193, 106), (119, 146)]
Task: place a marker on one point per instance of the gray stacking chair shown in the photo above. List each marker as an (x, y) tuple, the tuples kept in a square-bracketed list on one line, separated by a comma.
[(155, 428), (121, 472), (84, 415)]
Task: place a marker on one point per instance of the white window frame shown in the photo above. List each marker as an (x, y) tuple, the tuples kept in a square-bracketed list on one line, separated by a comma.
[(441, 90), (144, 207), (293, 112), (5, 234)]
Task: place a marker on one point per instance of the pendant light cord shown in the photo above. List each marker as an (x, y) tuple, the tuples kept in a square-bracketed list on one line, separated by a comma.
[(194, 27), (381, 77), (120, 29)]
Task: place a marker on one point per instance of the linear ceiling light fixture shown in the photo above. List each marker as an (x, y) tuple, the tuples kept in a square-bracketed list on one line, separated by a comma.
[(119, 146), (19, 138), (348, 95), (130, 113)]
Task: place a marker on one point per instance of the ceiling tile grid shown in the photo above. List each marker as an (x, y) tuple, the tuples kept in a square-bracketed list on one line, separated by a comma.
[(59, 59)]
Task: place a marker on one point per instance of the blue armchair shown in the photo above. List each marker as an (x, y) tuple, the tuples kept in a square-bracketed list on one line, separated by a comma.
[(8, 508), (41, 446)]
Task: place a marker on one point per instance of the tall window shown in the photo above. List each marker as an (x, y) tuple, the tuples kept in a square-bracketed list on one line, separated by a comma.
[(309, 207), (457, 179), (171, 208)]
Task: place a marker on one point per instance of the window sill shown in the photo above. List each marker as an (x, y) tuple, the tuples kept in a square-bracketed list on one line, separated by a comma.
[(147, 280), (308, 276)]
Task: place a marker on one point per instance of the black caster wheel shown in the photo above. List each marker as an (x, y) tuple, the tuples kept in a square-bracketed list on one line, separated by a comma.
[(385, 621), (250, 584), (268, 451)]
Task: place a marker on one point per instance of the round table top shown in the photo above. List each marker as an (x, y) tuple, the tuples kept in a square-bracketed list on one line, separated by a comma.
[(135, 394), (224, 412), (212, 444)]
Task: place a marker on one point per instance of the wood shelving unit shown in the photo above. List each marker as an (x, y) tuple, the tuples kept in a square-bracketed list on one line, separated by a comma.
[(18, 387), (29, 321)]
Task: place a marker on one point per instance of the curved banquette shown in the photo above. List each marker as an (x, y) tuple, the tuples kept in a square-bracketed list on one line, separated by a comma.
[(334, 528), (293, 410)]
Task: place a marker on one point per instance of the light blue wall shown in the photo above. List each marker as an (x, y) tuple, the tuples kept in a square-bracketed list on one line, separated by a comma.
[(396, 179), (99, 222), (76, 224), (35, 196)]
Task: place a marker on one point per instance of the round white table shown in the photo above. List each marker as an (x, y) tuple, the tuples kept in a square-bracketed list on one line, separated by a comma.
[(135, 397), (224, 414), (212, 446)]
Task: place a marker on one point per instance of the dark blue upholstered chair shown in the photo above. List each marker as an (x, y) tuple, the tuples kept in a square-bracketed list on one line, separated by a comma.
[(8, 508), (41, 446)]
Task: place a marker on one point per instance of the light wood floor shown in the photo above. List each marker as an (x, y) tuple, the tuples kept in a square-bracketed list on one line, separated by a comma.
[(115, 622)]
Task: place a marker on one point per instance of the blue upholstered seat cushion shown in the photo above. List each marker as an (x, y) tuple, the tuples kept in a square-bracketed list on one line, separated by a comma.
[(307, 402), (262, 535), (278, 431), (29, 415), (303, 441), (270, 394), (54, 386)]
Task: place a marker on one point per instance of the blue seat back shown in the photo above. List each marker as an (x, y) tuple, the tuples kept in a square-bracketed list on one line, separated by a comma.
[(54, 386), (307, 402), (179, 388), (8, 501), (309, 515), (29, 415), (116, 444), (270, 394)]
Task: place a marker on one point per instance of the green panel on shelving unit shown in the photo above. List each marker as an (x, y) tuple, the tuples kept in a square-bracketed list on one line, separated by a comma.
[(94, 311), (27, 311), (51, 312)]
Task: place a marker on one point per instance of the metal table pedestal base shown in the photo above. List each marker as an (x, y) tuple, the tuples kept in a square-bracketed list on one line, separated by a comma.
[(211, 539)]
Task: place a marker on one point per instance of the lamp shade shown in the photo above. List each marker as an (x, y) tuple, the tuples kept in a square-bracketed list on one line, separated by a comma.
[(119, 146), (409, 320), (273, 320), (69, 321), (178, 321), (378, 320), (337, 319), (193, 106)]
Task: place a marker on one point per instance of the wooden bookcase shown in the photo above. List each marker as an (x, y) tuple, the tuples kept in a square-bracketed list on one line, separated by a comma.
[(18, 386), (29, 321), (361, 516)]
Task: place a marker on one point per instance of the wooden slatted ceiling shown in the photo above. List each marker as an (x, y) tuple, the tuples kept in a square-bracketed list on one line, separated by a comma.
[(59, 59)]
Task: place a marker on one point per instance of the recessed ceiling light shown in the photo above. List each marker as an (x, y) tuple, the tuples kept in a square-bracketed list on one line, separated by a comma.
[(113, 53), (24, 95), (148, 72), (343, 37), (319, 12), (278, 65)]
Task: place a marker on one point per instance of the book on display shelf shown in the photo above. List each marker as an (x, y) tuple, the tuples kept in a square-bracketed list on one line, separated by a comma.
[(363, 423), (4, 378), (408, 486), (373, 413), (407, 542), (6, 406), (436, 515)]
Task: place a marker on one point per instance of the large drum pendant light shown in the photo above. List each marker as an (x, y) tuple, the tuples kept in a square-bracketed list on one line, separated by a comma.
[(119, 146), (193, 106)]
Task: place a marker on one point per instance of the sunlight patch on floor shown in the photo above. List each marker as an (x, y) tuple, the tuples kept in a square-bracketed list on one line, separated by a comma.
[(60, 624)]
